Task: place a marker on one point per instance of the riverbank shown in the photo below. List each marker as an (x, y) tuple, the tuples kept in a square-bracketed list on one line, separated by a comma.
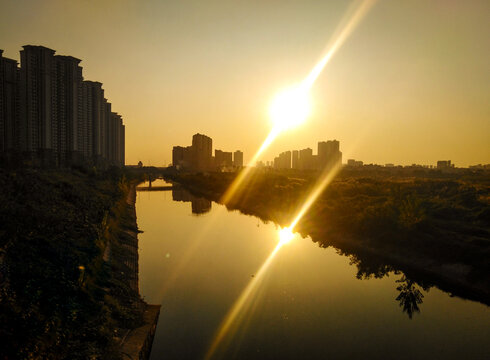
[(68, 265), (138, 341), (433, 227)]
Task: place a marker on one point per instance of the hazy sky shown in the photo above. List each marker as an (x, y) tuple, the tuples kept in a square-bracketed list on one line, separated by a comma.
[(411, 84)]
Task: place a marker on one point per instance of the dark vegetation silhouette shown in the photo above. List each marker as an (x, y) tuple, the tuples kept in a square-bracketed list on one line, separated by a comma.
[(410, 296), (434, 226), (59, 298)]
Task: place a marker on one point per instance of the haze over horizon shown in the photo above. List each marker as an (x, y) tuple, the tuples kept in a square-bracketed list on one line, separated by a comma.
[(410, 85)]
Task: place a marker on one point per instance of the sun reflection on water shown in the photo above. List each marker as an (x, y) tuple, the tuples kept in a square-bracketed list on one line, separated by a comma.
[(289, 109), (242, 305)]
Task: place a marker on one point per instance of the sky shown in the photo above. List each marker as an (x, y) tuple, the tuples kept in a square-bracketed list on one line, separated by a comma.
[(410, 85)]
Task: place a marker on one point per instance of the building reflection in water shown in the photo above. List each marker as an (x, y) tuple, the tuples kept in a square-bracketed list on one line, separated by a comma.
[(199, 205)]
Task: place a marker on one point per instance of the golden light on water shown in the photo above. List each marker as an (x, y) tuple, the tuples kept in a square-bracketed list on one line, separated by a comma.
[(288, 109), (234, 316)]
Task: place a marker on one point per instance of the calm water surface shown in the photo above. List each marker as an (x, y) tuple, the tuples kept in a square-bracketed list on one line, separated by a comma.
[(196, 258)]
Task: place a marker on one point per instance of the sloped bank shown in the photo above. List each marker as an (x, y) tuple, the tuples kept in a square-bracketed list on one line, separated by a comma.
[(69, 267), (137, 342)]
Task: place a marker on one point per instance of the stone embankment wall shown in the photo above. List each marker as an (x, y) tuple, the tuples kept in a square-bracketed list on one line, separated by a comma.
[(137, 343), (132, 244)]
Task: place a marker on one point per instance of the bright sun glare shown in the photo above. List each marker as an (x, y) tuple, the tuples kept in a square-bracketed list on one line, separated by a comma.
[(285, 236), (290, 108)]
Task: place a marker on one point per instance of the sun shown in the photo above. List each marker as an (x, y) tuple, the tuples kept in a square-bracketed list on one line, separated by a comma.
[(285, 236), (290, 108)]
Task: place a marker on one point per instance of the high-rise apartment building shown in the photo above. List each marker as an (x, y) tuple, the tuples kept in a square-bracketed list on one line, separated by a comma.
[(94, 111), (118, 148), (39, 129), (283, 161), (202, 147), (218, 158), (306, 159), (295, 159), (68, 104), (177, 156), (198, 156), (238, 159), (222, 159), (105, 129), (122, 144), (9, 106), (50, 116), (329, 154)]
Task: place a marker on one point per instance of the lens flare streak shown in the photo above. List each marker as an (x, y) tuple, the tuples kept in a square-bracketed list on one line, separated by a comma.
[(351, 20), (356, 12), (243, 175), (323, 181), (230, 323), (226, 328)]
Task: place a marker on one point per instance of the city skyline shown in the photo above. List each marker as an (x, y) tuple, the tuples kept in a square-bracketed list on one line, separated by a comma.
[(414, 94), (50, 116), (199, 156)]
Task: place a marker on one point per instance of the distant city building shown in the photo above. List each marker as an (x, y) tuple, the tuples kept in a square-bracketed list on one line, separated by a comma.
[(227, 158), (178, 156), (50, 116), (306, 159), (329, 154), (238, 159), (198, 156), (283, 161), (223, 159), (354, 163), (182, 157), (444, 164), (202, 151), (218, 158), (480, 167), (295, 159)]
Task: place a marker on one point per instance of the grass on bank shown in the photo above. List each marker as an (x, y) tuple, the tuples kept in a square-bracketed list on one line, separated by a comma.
[(59, 299)]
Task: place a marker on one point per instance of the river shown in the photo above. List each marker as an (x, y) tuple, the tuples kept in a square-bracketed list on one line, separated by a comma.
[(196, 258)]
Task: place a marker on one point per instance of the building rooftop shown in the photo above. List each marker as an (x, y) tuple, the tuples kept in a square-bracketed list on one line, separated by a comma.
[(7, 59), (67, 57), (38, 47)]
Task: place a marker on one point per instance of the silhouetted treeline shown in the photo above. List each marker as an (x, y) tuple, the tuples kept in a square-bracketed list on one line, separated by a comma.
[(439, 224), (59, 297)]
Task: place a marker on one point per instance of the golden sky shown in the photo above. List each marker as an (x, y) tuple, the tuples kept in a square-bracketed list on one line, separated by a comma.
[(410, 85)]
